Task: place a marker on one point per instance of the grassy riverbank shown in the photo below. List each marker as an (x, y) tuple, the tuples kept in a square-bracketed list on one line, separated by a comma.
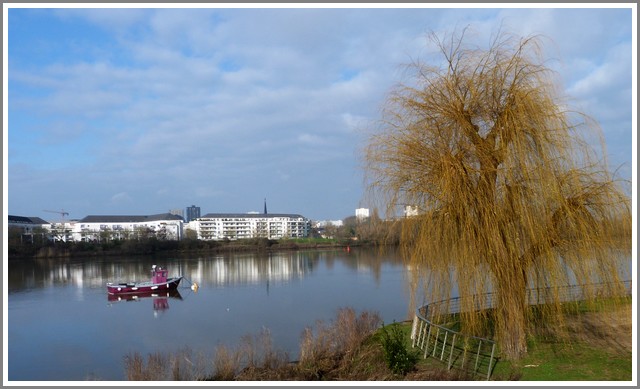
[(598, 348), (351, 348)]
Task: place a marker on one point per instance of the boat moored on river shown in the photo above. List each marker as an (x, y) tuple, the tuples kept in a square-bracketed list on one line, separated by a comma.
[(159, 283)]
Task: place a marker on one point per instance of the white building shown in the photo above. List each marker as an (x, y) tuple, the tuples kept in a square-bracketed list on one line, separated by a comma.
[(325, 223), (97, 228), (362, 213), (26, 225), (410, 210), (218, 226)]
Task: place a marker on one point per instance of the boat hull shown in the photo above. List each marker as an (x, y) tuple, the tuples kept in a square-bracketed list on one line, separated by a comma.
[(142, 287)]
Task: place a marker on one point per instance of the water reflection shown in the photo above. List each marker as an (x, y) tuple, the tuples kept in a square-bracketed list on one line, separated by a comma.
[(160, 300), (302, 287), (221, 270)]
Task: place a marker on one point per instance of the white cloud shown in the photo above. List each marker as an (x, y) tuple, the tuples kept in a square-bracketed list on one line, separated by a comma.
[(283, 176), (121, 197), (311, 139), (113, 19), (605, 91), (220, 99)]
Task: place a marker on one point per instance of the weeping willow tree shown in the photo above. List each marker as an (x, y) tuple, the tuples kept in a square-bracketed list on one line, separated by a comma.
[(509, 192)]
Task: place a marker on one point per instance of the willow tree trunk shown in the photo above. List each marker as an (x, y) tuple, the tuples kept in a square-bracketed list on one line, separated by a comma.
[(509, 276), (510, 311)]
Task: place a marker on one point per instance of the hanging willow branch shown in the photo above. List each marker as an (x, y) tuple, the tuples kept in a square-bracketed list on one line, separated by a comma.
[(510, 194)]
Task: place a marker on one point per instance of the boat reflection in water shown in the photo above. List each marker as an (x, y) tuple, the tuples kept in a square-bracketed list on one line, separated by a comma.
[(160, 299)]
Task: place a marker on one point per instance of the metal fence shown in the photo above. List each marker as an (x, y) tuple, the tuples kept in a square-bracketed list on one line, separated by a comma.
[(477, 355)]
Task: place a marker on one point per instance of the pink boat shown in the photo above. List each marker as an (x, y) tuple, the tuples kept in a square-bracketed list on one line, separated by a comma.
[(159, 282)]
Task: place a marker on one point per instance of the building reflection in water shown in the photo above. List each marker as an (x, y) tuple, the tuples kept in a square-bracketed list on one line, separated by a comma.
[(222, 270)]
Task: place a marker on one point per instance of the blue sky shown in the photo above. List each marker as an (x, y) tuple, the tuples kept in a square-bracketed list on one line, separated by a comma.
[(140, 111)]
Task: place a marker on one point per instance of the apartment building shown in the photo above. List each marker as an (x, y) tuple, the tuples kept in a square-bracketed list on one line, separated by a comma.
[(233, 226), (97, 227)]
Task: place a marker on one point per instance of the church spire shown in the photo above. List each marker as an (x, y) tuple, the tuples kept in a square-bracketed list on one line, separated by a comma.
[(265, 206)]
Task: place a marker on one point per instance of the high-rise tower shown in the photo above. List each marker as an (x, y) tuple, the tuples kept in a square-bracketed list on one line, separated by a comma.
[(193, 213)]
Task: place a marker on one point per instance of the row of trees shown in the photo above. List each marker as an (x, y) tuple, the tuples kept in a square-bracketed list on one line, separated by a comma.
[(369, 230), (39, 244)]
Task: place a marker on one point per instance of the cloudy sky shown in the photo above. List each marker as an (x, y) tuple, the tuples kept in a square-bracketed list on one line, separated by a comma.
[(140, 111)]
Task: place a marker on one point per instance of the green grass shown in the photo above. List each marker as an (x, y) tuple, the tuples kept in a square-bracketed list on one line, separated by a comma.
[(599, 349), (568, 362)]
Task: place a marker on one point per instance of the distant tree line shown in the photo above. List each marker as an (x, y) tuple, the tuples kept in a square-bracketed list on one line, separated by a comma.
[(369, 230), (39, 243)]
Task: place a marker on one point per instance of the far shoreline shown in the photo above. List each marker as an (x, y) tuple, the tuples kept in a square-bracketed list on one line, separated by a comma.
[(62, 250)]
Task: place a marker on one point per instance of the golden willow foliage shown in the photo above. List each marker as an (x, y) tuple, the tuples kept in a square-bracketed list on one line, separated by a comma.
[(509, 193)]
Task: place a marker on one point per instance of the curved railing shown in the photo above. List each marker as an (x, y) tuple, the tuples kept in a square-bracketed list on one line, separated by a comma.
[(475, 354)]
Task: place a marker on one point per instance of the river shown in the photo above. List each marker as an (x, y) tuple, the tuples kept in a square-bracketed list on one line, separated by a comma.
[(63, 326)]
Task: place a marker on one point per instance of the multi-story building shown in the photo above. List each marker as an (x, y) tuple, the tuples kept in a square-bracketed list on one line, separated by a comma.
[(218, 226), (27, 227), (193, 213), (26, 224), (213, 226), (97, 228)]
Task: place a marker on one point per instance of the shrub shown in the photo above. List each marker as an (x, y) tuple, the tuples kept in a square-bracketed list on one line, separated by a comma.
[(396, 354), (343, 335)]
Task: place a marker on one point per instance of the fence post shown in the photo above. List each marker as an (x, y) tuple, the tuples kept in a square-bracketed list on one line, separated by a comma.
[(453, 342), (493, 349), (478, 355), (416, 339), (444, 344), (464, 354), (426, 347), (413, 330), (435, 343)]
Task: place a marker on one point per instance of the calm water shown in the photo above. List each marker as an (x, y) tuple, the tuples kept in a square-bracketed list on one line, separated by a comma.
[(62, 326)]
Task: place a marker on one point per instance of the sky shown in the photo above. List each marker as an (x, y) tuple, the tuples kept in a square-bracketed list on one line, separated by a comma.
[(139, 111)]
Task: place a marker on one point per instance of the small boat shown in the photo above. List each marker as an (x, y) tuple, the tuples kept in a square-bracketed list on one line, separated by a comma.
[(159, 283)]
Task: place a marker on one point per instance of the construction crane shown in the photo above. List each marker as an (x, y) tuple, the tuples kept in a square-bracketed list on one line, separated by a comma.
[(59, 230), (62, 213)]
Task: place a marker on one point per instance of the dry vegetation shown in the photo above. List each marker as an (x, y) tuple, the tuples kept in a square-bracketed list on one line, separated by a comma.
[(346, 349)]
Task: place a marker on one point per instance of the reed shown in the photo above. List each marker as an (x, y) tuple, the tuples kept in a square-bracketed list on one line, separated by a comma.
[(342, 335)]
